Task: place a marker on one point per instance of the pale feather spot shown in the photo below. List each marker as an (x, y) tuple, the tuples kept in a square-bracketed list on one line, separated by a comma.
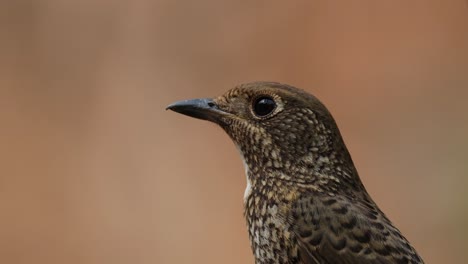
[(274, 155)]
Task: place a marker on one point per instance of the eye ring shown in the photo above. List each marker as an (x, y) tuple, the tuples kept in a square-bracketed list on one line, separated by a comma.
[(263, 106)]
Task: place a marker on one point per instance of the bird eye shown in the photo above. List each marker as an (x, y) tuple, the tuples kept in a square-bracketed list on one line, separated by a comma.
[(263, 106)]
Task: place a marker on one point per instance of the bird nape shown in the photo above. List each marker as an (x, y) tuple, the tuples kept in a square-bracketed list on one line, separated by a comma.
[(304, 201)]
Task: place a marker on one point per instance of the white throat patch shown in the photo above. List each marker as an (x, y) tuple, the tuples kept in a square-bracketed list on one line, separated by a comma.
[(248, 189)]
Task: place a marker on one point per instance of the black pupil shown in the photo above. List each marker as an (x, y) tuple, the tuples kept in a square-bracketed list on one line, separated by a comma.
[(264, 106)]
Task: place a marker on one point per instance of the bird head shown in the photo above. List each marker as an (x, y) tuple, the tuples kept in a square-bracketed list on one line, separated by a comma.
[(281, 131)]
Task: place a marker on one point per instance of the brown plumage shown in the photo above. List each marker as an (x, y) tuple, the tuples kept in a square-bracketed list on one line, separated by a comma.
[(304, 202)]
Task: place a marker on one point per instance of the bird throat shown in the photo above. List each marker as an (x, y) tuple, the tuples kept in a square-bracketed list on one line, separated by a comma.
[(248, 188)]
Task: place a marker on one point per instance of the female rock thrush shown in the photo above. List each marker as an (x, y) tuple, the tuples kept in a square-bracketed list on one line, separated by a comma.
[(304, 201)]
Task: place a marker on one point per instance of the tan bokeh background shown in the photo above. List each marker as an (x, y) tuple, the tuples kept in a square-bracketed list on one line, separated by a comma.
[(94, 170)]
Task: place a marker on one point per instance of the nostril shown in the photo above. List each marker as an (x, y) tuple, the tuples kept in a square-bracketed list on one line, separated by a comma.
[(211, 104)]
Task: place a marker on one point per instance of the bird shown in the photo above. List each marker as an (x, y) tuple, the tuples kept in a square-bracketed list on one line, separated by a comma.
[(304, 201)]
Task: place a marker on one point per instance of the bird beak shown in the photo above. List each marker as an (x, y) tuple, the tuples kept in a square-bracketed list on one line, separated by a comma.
[(205, 109)]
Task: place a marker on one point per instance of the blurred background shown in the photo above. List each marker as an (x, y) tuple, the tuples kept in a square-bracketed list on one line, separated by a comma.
[(94, 170)]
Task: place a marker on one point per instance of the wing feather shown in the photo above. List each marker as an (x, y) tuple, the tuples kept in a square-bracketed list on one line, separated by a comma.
[(342, 230)]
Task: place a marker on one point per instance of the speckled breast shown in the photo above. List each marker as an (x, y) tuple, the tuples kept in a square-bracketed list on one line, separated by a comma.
[(270, 236)]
